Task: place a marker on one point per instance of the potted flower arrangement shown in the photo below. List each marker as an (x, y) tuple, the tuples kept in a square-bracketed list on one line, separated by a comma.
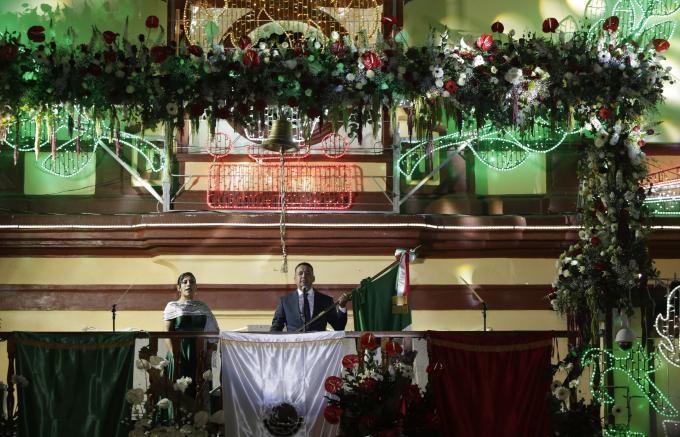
[(376, 395), (164, 408)]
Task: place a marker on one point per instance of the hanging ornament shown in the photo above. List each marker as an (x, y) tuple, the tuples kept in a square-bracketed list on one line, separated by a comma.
[(78, 135), (38, 129)]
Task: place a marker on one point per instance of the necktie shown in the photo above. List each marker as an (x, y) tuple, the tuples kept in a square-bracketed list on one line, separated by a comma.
[(306, 310)]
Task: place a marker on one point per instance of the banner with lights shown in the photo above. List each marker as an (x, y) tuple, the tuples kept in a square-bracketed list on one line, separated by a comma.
[(306, 186)]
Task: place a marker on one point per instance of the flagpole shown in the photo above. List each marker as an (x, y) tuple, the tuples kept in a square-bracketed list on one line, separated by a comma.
[(303, 328)]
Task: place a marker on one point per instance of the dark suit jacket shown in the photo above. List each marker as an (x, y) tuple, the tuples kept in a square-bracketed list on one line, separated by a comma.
[(288, 314)]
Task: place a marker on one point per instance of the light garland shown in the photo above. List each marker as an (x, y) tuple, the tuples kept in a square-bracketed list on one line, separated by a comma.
[(668, 328), (637, 365), (471, 138)]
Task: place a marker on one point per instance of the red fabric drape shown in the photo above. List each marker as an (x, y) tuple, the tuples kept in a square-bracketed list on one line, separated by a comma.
[(491, 383)]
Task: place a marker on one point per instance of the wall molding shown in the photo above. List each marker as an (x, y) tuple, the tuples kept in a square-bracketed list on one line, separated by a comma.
[(232, 297)]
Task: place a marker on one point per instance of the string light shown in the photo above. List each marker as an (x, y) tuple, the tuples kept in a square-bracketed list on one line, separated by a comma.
[(306, 186), (637, 365), (668, 329), (473, 138)]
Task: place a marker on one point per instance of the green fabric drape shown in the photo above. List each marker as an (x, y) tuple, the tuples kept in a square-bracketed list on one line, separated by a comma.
[(372, 303), (76, 383)]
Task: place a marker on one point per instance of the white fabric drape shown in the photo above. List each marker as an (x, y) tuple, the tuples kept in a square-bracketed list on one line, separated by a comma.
[(262, 371)]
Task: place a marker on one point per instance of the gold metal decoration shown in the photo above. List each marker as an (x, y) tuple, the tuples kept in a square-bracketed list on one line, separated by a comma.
[(281, 137), (205, 23)]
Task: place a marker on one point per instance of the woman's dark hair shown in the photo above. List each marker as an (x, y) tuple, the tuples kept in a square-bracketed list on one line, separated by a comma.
[(183, 275)]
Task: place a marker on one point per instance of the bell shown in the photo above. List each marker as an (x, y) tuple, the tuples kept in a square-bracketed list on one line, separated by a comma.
[(281, 137)]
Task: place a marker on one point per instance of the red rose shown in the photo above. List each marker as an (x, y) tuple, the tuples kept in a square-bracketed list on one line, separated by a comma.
[(338, 49), (392, 348), (333, 384), (451, 86), (368, 384), (36, 33), (196, 109), (370, 60), (484, 42), (550, 25), (94, 70), (244, 42), (389, 19), (152, 22), (8, 51), (332, 414), (109, 37), (260, 105), (251, 58), (611, 24), (497, 27), (435, 368), (110, 56), (222, 113), (661, 45), (368, 341), (605, 113), (160, 53), (600, 266), (195, 50), (412, 393), (350, 361), (595, 241), (313, 112)]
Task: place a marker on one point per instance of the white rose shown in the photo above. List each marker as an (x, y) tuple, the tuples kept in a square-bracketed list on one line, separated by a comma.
[(163, 404), (562, 393), (370, 74), (335, 35), (142, 364), (479, 60), (135, 396), (207, 375), (514, 75), (439, 83)]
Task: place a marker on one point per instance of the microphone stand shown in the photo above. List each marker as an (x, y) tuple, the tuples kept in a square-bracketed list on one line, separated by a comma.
[(113, 307), (479, 298)]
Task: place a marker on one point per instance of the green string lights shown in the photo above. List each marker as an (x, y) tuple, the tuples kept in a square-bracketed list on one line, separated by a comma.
[(69, 160), (636, 365), (501, 150)]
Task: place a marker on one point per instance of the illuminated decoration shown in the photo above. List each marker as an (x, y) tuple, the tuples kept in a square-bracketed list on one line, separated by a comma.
[(67, 159), (663, 189), (500, 150), (219, 145), (637, 366), (668, 328), (671, 427), (259, 153), (641, 20), (307, 186), (204, 23), (621, 431), (334, 146)]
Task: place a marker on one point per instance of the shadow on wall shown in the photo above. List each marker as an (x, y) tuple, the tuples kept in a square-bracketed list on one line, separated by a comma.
[(81, 15)]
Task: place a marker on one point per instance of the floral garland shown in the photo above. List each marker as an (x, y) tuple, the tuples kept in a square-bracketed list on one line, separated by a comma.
[(611, 260), (379, 398), (502, 80)]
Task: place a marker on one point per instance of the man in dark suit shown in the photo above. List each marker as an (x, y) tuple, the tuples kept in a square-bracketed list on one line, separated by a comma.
[(301, 306)]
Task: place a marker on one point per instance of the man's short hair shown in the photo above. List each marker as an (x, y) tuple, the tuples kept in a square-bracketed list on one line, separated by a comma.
[(304, 263)]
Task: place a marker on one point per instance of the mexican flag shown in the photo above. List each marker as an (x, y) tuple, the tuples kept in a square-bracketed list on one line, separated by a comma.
[(381, 303)]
